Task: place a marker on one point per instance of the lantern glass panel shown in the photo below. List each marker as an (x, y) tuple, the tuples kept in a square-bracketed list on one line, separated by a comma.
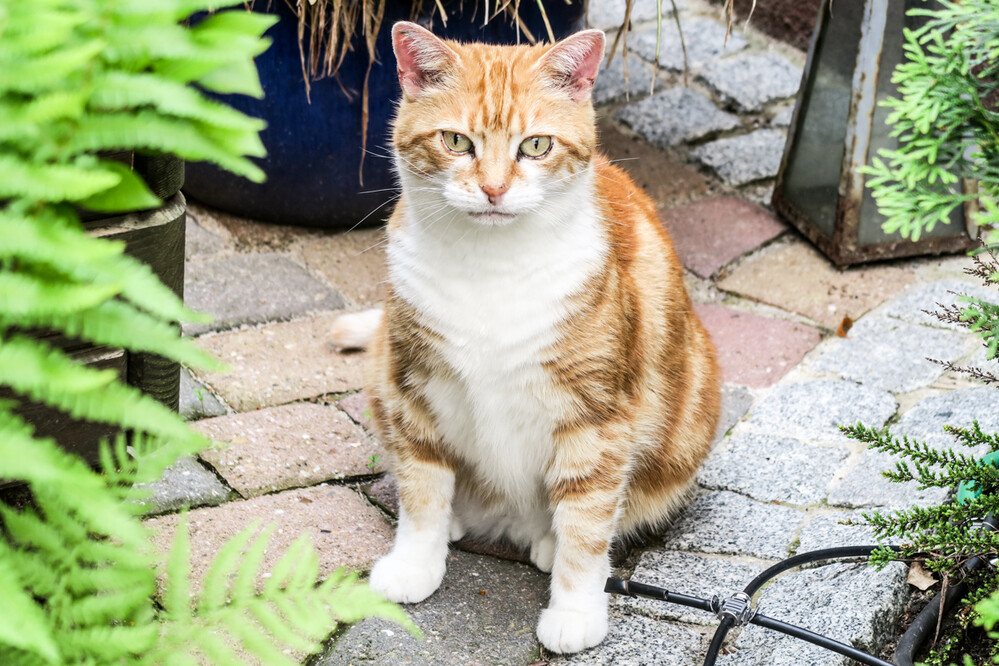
[(892, 54), (814, 165)]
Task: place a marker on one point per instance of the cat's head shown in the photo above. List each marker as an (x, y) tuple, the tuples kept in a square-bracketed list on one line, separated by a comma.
[(495, 132)]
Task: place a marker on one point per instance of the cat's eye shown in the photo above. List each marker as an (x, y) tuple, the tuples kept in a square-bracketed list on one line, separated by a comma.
[(457, 143), (536, 146)]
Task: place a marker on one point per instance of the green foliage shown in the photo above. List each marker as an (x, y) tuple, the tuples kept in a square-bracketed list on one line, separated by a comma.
[(947, 535), (944, 537), (945, 120), (78, 574)]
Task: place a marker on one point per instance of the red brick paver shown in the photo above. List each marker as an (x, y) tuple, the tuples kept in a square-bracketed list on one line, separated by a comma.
[(712, 232), (279, 363), (345, 529), (288, 447), (753, 350)]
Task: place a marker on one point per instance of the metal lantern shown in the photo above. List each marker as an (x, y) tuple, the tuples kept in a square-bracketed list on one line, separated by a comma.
[(838, 125)]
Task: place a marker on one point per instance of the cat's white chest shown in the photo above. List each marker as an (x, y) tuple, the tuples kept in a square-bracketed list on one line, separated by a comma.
[(497, 297)]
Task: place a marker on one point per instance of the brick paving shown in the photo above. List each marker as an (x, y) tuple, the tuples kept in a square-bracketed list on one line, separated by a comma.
[(780, 479)]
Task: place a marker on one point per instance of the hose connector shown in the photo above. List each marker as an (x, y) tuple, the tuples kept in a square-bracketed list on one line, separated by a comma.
[(738, 607)]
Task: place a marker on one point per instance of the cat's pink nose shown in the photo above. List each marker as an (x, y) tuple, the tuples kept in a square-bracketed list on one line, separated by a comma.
[(494, 192)]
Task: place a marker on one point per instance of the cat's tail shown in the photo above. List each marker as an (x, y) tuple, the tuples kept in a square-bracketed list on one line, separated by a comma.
[(357, 329)]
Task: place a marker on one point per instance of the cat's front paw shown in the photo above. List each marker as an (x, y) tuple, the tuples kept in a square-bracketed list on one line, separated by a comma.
[(543, 552), (407, 580), (567, 630)]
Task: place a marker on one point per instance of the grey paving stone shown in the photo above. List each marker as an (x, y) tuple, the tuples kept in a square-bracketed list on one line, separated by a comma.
[(196, 400), (772, 468), (852, 603), (634, 640), (910, 305), (184, 485), (783, 117), (864, 486), (253, 288), (813, 410), (462, 625), (685, 573), (199, 242), (736, 400), (611, 84), (828, 531), (609, 14), (743, 159), (925, 421), (674, 116), (704, 38), (731, 524), (889, 354), (753, 80)]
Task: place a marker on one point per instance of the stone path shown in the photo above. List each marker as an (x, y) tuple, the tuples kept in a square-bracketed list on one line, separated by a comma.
[(781, 478)]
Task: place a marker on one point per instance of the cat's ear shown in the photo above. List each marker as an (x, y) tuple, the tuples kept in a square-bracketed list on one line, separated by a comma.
[(423, 59), (572, 64)]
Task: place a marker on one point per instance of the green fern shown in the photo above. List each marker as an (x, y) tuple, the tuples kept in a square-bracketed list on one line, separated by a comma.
[(78, 574)]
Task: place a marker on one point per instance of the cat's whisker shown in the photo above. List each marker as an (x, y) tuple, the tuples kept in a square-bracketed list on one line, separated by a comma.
[(375, 210)]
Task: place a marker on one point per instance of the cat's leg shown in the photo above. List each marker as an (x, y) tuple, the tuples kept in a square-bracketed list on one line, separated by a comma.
[(414, 568), (586, 485), (543, 551)]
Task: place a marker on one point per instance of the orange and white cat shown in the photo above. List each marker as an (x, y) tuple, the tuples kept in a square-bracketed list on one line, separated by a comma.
[(537, 370)]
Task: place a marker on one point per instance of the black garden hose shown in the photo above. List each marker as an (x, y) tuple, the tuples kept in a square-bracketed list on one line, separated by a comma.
[(926, 621), (737, 611), (781, 567)]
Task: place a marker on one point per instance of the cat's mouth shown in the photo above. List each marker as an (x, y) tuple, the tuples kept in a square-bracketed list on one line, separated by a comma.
[(493, 218)]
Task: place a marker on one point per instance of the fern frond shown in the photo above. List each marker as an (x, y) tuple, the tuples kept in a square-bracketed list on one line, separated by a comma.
[(57, 240), (177, 591), (151, 131), (28, 299), (55, 68), (129, 194), (51, 182), (118, 91), (215, 589), (50, 377), (25, 626), (112, 643), (117, 324)]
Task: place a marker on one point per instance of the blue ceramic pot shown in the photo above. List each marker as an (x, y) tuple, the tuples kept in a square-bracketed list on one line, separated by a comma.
[(314, 149)]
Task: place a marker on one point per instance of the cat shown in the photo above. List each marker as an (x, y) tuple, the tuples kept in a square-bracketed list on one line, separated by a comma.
[(537, 371)]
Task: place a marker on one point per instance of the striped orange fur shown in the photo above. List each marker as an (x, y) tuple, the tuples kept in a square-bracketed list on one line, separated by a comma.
[(538, 372)]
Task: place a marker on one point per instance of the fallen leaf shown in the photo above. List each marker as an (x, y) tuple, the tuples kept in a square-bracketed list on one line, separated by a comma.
[(844, 327), (920, 577)]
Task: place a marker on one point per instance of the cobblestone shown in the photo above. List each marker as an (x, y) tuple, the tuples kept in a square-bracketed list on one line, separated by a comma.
[(743, 159), (251, 289), (730, 524), (814, 410), (889, 354), (676, 115), (773, 469), (751, 81)]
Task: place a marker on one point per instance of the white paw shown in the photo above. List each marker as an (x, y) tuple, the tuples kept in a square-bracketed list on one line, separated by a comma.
[(543, 552), (457, 530), (407, 579), (565, 630)]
